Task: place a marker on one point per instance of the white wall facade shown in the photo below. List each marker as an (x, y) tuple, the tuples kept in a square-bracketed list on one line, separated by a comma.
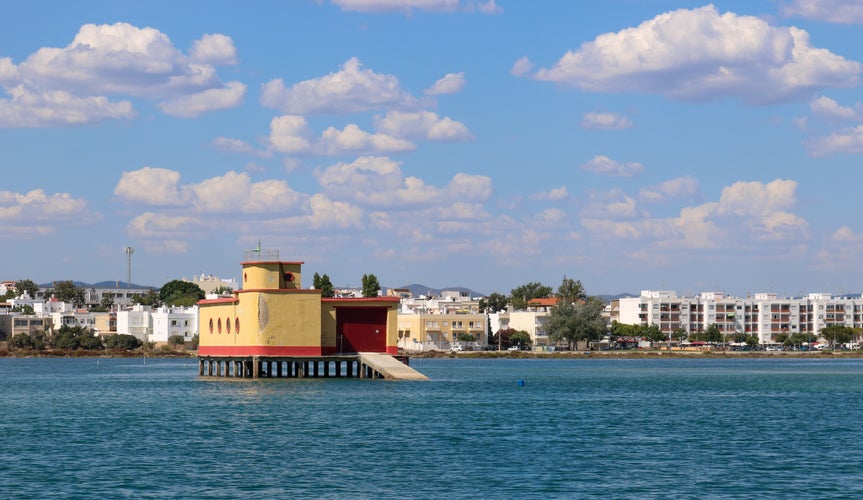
[(169, 321)]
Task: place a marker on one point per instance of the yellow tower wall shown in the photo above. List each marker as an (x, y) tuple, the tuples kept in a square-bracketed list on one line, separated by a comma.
[(272, 276)]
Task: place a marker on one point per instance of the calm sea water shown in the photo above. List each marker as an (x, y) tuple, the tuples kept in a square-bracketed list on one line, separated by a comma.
[(87, 428)]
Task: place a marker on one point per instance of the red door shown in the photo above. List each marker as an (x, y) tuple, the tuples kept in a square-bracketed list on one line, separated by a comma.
[(362, 329)]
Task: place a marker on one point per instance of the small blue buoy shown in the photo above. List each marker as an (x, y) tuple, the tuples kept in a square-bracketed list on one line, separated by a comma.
[(521, 382)]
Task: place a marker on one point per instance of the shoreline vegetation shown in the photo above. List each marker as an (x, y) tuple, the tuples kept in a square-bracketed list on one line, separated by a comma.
[(85, 353), (595, 354), (643, 354)]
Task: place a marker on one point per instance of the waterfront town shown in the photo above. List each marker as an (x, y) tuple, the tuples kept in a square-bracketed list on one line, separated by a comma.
[(454, 320)]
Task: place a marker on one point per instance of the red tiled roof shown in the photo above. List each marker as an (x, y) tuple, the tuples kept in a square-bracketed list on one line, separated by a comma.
[(545, 302)]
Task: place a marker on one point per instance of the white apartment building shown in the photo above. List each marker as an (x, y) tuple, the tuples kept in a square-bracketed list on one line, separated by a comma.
[(763, 314), (169, 321), (72, 318), (136, 321), (158, 325)]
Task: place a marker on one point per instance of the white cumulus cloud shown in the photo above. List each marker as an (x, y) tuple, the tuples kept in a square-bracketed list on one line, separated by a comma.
[(190, 106), (843, 141), (291, 134), (451, 83), (379, 181), (422, 124), (231, 192), (701, 54), (555, 194), (349, 90), (828, 108), (120, 59), (685, 187), (216, 49), (831, 11), (26, 108), (604, 165), (605, 121)]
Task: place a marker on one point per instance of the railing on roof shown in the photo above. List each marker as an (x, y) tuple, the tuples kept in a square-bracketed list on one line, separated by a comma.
[(260, 255)]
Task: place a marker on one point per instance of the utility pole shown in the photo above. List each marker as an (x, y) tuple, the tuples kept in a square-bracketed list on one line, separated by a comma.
[(128, 251)]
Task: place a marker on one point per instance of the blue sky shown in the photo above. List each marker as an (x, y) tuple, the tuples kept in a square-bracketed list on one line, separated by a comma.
[(629, 144)]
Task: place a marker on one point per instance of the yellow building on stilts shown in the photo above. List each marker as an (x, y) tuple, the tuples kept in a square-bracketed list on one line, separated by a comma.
[(274, 327)]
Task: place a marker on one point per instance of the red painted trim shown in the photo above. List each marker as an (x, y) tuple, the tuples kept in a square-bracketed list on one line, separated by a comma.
[(216, 301), (391, 349), (258, 350), (310, 291), (280, 262), (354, 299)]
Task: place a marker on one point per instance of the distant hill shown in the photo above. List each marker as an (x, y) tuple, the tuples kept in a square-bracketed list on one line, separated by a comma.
[(609, 298), (417, 290)]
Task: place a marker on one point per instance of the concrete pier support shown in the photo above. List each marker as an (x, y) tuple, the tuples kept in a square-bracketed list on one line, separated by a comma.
[(363, 366)]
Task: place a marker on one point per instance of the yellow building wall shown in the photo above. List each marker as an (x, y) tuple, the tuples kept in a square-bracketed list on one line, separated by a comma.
[(275, 323)]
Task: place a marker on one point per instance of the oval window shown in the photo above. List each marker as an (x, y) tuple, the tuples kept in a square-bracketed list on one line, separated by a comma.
[(219, 325), (228, 325), (211, 325), (289, 277), (237, 325)]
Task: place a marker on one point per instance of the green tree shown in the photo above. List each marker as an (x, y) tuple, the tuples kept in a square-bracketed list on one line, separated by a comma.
[(150, 298), (193, 344), (712, 334), (20, 341), (466, 337), (653, 334), (176, 340), (624, 330), (571, 290), (795, 339), (371, 286), (26, 286), (326, 287), (223, 290), (180, 293), (25, 309), (837, 334), (752, 340), (107, 301), (75, 337), (679, 334), (578, 322), (520, 338), (123, 341), (316, 281), (503, 338), (521, 295), (68, 291), (495, 302)]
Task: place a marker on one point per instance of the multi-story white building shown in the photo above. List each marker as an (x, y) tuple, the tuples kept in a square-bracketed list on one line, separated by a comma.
[(170, 321), (763, 314), (136, 321), (158, 325)]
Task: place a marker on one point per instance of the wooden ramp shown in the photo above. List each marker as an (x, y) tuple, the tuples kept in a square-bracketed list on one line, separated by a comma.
[(389, 367)]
